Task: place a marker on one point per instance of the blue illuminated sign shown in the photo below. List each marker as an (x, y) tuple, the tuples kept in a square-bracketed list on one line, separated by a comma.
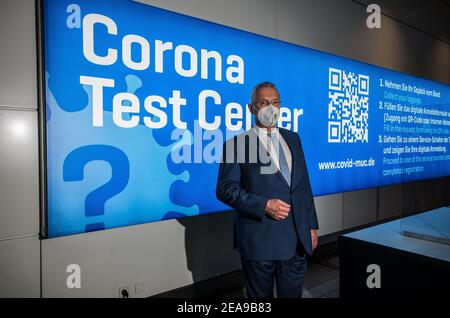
[(139, 101)]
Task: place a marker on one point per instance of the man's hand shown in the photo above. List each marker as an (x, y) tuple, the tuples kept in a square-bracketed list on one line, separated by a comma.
[(277, 209), (314, 239)]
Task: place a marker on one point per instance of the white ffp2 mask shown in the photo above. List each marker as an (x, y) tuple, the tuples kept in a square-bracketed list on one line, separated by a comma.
[(268, 115)]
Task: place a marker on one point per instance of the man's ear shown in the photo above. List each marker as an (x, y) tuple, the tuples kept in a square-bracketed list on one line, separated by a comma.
[(250, 108)]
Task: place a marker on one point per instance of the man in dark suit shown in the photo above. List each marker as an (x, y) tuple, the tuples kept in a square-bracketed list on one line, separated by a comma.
[(263, 176)]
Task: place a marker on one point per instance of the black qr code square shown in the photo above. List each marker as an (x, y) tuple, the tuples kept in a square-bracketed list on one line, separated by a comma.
[(348, 107)]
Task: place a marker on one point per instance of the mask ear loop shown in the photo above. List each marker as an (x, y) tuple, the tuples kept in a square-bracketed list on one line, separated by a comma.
[(256, 111)]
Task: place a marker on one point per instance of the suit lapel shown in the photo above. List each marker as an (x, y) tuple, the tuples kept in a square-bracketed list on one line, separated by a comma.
[(291, 145), (280, 176)]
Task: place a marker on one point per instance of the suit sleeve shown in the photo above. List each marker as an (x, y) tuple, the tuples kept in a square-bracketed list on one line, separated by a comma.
[(312, 215), (230, 192)]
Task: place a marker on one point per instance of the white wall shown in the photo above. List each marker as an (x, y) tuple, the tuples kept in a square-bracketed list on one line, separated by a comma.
[(173, 253), (164, 255)]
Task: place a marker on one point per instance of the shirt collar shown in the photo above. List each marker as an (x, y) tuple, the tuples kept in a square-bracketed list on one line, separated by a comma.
[(263, 131)]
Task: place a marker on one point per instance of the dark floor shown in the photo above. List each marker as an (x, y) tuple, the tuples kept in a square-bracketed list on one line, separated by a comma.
[(321, 280)]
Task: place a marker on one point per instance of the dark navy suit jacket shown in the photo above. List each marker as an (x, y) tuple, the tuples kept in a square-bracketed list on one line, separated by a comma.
[(242, 186)]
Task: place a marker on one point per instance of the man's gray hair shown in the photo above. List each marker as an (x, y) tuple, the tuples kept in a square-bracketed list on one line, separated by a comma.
[(254, 97)]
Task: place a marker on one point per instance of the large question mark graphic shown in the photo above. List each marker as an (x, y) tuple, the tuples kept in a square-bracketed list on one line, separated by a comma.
[(73, 170)]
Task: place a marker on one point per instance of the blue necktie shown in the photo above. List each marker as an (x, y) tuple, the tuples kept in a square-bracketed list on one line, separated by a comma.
[(284, 168)]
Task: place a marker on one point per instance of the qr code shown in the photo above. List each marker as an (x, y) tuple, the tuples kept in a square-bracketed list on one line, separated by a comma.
[(348, 107)]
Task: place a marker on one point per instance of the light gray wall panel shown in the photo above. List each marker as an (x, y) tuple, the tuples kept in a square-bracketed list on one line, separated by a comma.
[(390, 204), (17, 54), (19, 192), (359, 208), (419, 13), (339, 27), (329, 213), (20, 268), (257, 16)]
